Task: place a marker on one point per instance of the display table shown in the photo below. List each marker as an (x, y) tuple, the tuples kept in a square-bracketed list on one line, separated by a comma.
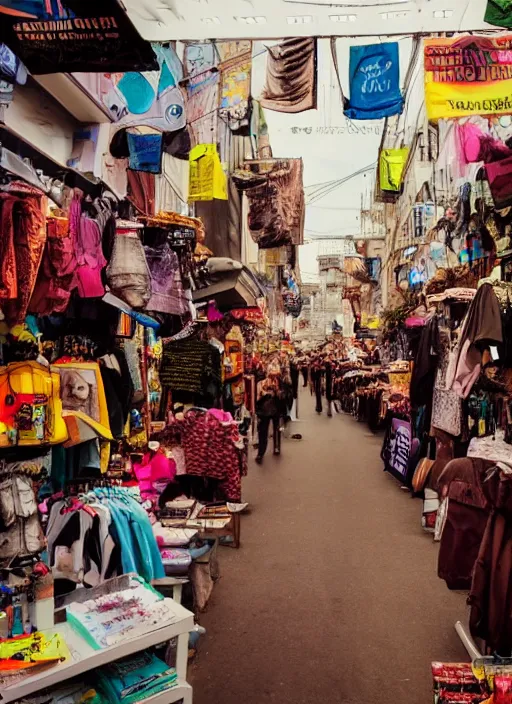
[(84, 659)]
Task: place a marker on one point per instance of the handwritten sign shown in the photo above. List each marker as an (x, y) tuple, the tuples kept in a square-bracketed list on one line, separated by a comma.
[(349, 128), (469, 75)]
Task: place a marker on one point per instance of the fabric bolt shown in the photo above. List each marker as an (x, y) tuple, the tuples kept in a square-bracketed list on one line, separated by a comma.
[(23, 228), (291, 80)]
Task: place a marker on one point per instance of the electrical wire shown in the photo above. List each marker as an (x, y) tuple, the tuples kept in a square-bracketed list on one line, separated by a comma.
[(327, 190)]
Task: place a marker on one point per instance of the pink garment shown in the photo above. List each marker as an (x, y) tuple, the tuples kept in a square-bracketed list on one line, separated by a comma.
[(86, 236), (469, 136), (221, 416), (155, 472), (467, 371), (214, 314)]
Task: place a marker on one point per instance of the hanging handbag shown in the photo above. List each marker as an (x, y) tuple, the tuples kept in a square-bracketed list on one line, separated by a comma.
[(128, 273)]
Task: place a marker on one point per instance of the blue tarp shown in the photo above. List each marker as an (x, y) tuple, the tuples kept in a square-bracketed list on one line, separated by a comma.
[(374, 82)]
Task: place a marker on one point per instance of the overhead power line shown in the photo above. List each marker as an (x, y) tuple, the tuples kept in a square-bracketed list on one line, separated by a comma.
[(327, 188)]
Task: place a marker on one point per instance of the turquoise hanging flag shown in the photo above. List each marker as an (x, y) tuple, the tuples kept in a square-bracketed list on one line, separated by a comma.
[(374, 82)]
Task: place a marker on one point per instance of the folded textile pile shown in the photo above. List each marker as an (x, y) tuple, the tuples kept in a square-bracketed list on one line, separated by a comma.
[(129, 613), (135, 678)]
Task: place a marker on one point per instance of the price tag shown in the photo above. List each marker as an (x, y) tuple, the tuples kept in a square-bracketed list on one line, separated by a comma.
[(494, 353)]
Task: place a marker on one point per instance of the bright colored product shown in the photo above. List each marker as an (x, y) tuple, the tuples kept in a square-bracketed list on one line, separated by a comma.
[(468, 75), (391, 168), (207, 178)]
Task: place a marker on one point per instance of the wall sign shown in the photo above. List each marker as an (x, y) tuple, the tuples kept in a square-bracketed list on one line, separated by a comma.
[(62, 36), (469, 75)]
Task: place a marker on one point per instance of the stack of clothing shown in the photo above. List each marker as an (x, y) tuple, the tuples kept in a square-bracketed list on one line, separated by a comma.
[(109, 619), (136, 678)]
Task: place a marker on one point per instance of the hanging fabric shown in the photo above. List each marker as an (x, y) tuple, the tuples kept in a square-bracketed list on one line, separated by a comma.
[(207, 178), (374, 82), (85, 35), (127, 273), (500, 182), (291, 82), (23, 228), (391, 168), (277, 207), (499, 13), (145, 152), (235, 87)]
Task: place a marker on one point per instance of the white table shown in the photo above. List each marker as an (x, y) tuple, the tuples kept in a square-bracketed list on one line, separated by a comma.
[(85, 659)]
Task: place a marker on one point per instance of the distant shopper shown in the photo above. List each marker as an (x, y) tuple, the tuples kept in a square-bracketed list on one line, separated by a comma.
[(270, 408), (316, 374)]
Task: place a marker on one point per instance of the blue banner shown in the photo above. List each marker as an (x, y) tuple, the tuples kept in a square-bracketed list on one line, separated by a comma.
[(374, 82)]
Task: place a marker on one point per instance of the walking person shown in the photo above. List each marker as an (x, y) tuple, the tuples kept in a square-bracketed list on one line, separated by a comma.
[(270, 408), (316, 373)]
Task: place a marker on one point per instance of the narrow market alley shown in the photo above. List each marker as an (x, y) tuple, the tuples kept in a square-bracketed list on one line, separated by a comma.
[(334, 595)]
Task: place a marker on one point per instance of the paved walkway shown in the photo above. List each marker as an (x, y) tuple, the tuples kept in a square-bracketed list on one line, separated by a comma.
[(333, 597)]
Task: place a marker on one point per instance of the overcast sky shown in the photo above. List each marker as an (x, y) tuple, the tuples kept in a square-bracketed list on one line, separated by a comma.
[(327, 157)]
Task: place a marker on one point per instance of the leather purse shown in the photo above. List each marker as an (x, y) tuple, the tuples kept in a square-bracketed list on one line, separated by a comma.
[(421, 474)]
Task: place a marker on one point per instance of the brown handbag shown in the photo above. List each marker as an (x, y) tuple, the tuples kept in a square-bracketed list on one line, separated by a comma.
[(421, 474)]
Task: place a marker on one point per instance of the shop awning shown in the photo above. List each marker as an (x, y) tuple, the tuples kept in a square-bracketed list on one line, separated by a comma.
[(237, 288)]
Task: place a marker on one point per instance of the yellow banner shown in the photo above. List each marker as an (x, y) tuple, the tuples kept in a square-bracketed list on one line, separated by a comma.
[(469, 75)]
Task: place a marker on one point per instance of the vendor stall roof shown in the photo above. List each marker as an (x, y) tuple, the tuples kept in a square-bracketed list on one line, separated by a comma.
[(238, 288), (265, 19)]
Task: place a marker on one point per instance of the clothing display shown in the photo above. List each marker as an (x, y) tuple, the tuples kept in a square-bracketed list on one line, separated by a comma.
[(213, 449), (136, 678), (107, 620), (100, 535), (291, 82), (276, 207), (482, 324)]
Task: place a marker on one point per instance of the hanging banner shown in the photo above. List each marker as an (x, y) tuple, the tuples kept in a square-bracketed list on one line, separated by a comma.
[(374, 82), (499, 13), (57, 36), (470, 75), (235, 90), (392, 164)]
